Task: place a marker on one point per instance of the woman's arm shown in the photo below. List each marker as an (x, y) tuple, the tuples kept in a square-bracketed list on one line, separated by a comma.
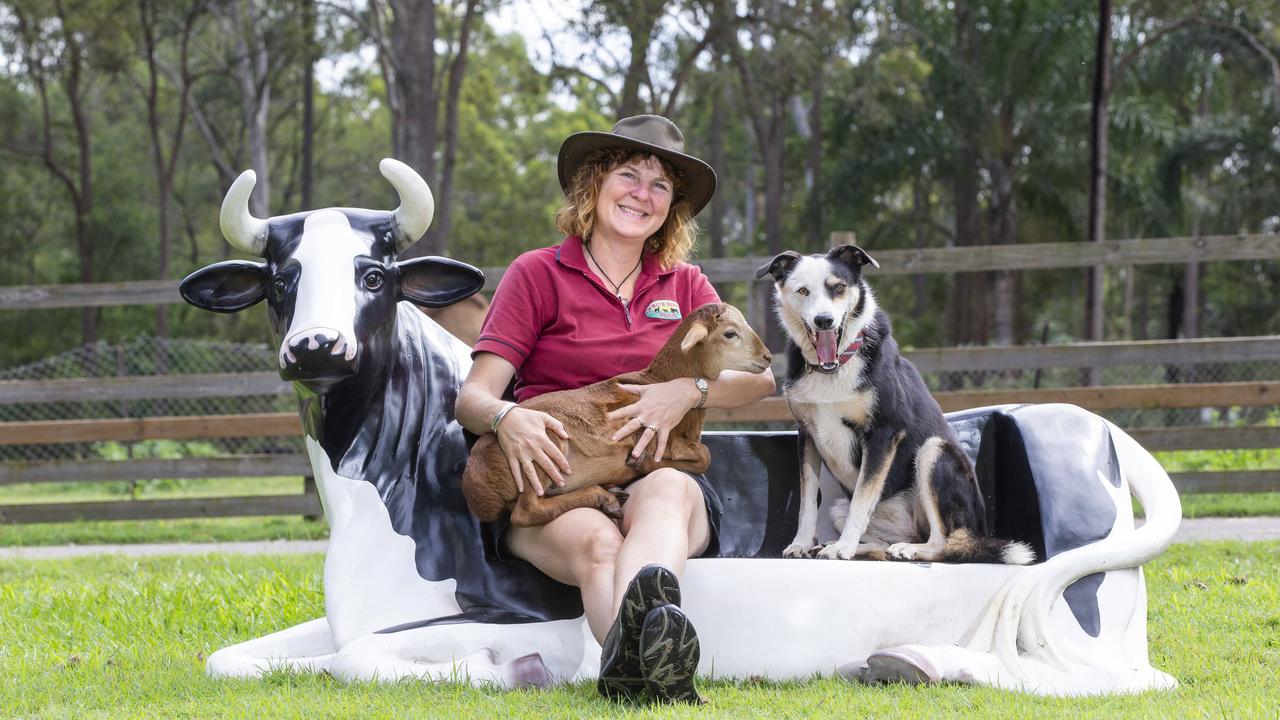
[(662, 406), (522, 433)]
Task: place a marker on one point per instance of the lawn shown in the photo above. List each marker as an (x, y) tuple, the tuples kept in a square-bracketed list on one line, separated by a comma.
[(119, 637)]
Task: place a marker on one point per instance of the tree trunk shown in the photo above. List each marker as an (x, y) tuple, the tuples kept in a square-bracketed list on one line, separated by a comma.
[(415, 105), (308, 103), (438, 238), (715, 223), (813, 168), (968, 290), (1095, 287), (1004, 230), (920, 211)]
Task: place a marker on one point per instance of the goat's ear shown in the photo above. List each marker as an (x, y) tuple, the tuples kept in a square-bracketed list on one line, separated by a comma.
[(697, 333), (780, 266)]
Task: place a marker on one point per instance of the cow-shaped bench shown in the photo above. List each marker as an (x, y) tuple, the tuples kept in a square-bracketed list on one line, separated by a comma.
[(411, 591)]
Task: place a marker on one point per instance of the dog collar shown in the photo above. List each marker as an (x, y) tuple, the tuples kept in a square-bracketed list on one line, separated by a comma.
[(843, 358)]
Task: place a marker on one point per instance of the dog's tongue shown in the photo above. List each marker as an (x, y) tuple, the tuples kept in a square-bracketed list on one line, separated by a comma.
[(826, 347)]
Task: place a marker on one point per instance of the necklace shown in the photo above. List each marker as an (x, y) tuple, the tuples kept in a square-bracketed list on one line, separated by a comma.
[(617, 286)]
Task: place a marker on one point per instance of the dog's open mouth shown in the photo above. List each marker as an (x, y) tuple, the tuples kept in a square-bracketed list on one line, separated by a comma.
[(825, 343)]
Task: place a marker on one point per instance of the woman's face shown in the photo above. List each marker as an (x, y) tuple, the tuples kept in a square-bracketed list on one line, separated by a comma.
[(633, 201)]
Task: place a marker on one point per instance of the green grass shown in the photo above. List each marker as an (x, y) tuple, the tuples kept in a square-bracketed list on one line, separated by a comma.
[(119, 637)]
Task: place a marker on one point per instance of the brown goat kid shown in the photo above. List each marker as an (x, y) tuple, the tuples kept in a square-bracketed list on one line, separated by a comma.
[(711, 339)]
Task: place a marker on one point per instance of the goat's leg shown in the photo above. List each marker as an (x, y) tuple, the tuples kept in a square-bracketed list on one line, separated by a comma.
[(690, 457), (531, 510)]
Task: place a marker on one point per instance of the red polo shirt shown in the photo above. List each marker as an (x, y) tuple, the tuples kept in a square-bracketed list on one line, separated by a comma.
[(562, 328)]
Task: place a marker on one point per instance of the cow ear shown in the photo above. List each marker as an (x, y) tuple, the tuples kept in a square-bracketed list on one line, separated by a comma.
[(436, 282), (226, 287), (852, 256), (780, 267)]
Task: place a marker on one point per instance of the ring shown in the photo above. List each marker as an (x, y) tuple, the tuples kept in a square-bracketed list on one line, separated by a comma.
[(651, 427), (639, 420)]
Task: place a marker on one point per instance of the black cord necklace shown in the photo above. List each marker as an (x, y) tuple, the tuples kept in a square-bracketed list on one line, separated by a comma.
[(617, 287)]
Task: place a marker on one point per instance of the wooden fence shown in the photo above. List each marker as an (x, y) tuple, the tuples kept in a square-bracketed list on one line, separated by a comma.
[(1264, 393)]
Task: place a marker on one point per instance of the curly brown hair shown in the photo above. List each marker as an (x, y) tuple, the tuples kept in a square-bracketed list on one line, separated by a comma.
[(672, 243)]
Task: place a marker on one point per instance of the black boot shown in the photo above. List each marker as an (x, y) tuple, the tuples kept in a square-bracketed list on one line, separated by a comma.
[(669, 656), (621, 677)]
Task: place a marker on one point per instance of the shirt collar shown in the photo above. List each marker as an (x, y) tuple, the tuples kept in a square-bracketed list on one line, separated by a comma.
[(571, 255)]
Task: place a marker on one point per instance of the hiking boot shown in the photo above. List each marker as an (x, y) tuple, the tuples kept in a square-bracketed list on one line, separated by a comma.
[(669, 656), (621, 677)]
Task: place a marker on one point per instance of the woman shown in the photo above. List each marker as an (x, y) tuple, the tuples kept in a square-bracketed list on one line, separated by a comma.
[(600, 304)]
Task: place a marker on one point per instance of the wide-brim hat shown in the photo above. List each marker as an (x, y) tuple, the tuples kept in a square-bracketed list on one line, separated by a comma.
[(651, 134)]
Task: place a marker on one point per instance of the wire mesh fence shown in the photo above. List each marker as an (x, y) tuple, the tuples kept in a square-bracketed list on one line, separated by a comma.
[(145, 355)]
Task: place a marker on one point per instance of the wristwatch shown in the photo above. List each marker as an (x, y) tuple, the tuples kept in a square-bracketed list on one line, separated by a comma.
[(703, 386)]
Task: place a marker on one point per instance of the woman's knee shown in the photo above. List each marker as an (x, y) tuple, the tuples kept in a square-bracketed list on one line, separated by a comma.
[(672, 488), (599, 548)]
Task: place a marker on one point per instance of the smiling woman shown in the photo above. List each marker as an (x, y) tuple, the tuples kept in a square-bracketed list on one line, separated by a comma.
[(598, 305)]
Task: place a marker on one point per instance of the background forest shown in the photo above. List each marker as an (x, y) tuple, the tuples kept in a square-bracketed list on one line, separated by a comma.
[(912, 123)]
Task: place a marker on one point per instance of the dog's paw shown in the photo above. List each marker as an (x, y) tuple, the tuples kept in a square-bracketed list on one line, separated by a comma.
[(797, 550), (838, 551), (903, 551), (612, 509)]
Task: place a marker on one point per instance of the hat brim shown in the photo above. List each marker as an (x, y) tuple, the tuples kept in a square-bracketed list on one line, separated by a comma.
[(699, 177)]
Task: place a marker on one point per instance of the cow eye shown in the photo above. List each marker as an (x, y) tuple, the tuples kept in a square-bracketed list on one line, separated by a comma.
[(731, 334), (373, 280), (803, 291)]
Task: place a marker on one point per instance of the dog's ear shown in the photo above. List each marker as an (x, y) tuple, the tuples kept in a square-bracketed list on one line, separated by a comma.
[(697, 333), (780, 267), (852, 256)]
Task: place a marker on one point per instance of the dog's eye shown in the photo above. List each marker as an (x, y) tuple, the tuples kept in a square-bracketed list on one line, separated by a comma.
[(803, 291), (839, 289), (731, 334)]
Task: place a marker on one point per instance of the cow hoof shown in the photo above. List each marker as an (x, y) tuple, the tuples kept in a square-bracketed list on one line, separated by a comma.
[(899, 665), (530, 671)]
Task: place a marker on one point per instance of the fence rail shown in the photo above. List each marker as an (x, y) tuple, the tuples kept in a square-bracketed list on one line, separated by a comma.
[(981, 258), (1258, 393)]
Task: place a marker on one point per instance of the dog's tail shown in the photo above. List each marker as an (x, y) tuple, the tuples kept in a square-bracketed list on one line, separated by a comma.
[(965, 547)]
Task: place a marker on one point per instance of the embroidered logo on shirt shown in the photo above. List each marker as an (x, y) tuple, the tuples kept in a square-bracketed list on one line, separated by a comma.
[(663, 310)]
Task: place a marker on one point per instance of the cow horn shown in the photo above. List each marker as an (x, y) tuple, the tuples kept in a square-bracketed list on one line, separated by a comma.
[(239, 227), (417, 206)]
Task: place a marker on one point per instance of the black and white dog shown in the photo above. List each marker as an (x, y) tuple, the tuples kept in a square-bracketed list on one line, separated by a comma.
[(865, 411)]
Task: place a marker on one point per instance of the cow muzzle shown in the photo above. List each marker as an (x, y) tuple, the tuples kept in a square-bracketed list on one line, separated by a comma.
[(317, 354)]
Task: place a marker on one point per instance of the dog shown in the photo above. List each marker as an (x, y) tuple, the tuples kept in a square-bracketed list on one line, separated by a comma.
[(865, 412)]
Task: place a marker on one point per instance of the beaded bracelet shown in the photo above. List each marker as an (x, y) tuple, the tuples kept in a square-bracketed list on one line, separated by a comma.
[(493, 426)]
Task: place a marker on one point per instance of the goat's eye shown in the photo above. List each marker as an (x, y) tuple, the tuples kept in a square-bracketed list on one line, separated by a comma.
[(373, 279), (731, 334), (803, 291)]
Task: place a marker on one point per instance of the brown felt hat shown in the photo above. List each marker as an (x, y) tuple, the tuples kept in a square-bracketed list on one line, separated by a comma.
[(651, 134)]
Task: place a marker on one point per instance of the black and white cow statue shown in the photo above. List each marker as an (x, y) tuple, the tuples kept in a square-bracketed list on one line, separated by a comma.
[(412, 591)]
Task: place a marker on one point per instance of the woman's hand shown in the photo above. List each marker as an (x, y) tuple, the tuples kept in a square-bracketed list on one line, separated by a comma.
[(522, 434), (656, 413)]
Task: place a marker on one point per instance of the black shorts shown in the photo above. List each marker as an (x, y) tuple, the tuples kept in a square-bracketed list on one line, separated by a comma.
[(495, 533)]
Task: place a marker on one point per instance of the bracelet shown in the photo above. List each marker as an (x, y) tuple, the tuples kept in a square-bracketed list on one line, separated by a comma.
[(493, 426)]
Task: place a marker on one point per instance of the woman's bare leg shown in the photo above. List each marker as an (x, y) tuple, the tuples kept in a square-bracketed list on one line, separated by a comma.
[(578, 548), (664, 521)]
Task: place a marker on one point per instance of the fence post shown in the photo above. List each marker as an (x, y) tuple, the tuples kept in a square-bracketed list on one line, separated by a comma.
[(309, 489)]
